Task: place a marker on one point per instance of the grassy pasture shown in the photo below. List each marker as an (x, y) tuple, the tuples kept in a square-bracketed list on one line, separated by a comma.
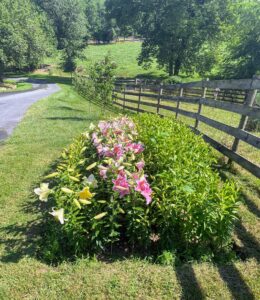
[(125, 55)]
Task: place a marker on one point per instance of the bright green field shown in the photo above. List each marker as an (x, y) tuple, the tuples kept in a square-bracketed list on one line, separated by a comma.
[(125, 55)]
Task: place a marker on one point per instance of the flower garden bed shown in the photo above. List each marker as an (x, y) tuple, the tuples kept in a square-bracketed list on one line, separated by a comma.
[(146, 183)]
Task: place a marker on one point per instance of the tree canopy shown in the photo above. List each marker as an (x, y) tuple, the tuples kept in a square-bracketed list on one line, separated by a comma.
[(173, 30), (242, 40), (25, 36), (70, 25), (210, 37)]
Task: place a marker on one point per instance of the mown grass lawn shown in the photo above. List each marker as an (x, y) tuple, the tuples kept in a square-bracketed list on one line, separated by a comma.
[(17, 87), (36, 143)]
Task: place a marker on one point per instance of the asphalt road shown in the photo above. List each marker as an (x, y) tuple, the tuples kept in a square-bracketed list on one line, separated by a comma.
[(14, 105)]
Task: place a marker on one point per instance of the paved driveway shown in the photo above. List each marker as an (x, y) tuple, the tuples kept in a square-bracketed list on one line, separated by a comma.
[(14, 105)]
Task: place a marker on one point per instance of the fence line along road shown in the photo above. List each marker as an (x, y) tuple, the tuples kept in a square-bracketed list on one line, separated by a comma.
[(232, 96)]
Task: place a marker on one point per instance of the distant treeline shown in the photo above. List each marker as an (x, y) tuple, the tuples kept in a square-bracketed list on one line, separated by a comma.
[(218, 38)]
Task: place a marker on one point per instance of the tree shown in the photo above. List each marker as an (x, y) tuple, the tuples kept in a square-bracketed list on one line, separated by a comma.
[(70, 25), (100, 25), (25, 36), (242, 41), (173, 30)]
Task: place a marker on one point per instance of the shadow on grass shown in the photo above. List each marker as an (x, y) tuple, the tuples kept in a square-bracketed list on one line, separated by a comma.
[(53, 79), (76, 119), (251, 245), (68, 108), (22, 240), (186, 277), (235, 283), (251, 206)]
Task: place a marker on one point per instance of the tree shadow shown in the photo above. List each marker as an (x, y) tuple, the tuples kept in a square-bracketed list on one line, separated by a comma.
[(53, 79), (76, 119), (21, 240), (68, 108)]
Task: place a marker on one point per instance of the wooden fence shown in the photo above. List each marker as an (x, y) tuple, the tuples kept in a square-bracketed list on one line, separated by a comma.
[(233, 96)]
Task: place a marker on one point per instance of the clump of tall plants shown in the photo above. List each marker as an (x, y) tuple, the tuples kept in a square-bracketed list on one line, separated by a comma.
[(193, 209), (97, 83), (99, 192), (145, 184)]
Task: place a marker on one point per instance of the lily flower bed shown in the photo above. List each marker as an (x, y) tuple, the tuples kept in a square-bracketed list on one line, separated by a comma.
[(113, 187)]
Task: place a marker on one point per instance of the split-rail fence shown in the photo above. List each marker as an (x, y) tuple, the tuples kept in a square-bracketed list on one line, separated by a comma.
[(233, 96)]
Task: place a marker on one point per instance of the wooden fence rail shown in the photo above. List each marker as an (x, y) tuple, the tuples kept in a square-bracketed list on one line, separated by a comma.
[(204, 93)]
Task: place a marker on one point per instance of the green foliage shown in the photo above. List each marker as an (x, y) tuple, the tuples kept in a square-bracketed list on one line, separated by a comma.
[(93, 215), (242, 56), (172, 80), (70, 25), (25, 36), (98, 85), (167, 258), (174, 31), (101, 27), (192, 210), (191, 215)]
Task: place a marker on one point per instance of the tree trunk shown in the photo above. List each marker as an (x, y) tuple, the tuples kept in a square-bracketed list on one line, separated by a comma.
[(171, 67), (1, 76), (177, 67)]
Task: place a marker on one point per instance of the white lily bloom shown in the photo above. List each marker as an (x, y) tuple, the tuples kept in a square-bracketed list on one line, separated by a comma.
[(58, 214), (92, 126), (91, 180), (43, 191)]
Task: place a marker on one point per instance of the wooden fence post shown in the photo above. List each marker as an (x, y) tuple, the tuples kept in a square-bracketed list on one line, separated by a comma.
[(139, 99), (178, 103), (249, 101), (159, 99), (124, 99), (203, 95), (136, 82)]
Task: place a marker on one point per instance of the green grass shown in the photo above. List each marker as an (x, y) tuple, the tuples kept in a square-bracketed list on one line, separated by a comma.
[(50, 125), (125, 54), (16, 87)]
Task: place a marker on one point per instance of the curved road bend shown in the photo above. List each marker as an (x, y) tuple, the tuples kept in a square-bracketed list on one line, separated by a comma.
[(13, 105)]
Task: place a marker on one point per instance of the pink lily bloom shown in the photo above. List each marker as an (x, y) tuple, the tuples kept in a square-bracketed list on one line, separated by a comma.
[(118, 151), (99, 149), (103, 171), (135, 147), (144, 188), (140, 165), (121, 185)]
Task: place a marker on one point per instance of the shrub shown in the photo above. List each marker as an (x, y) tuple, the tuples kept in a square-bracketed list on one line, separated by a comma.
[(101, 196), (98, 84), (193, 211)]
